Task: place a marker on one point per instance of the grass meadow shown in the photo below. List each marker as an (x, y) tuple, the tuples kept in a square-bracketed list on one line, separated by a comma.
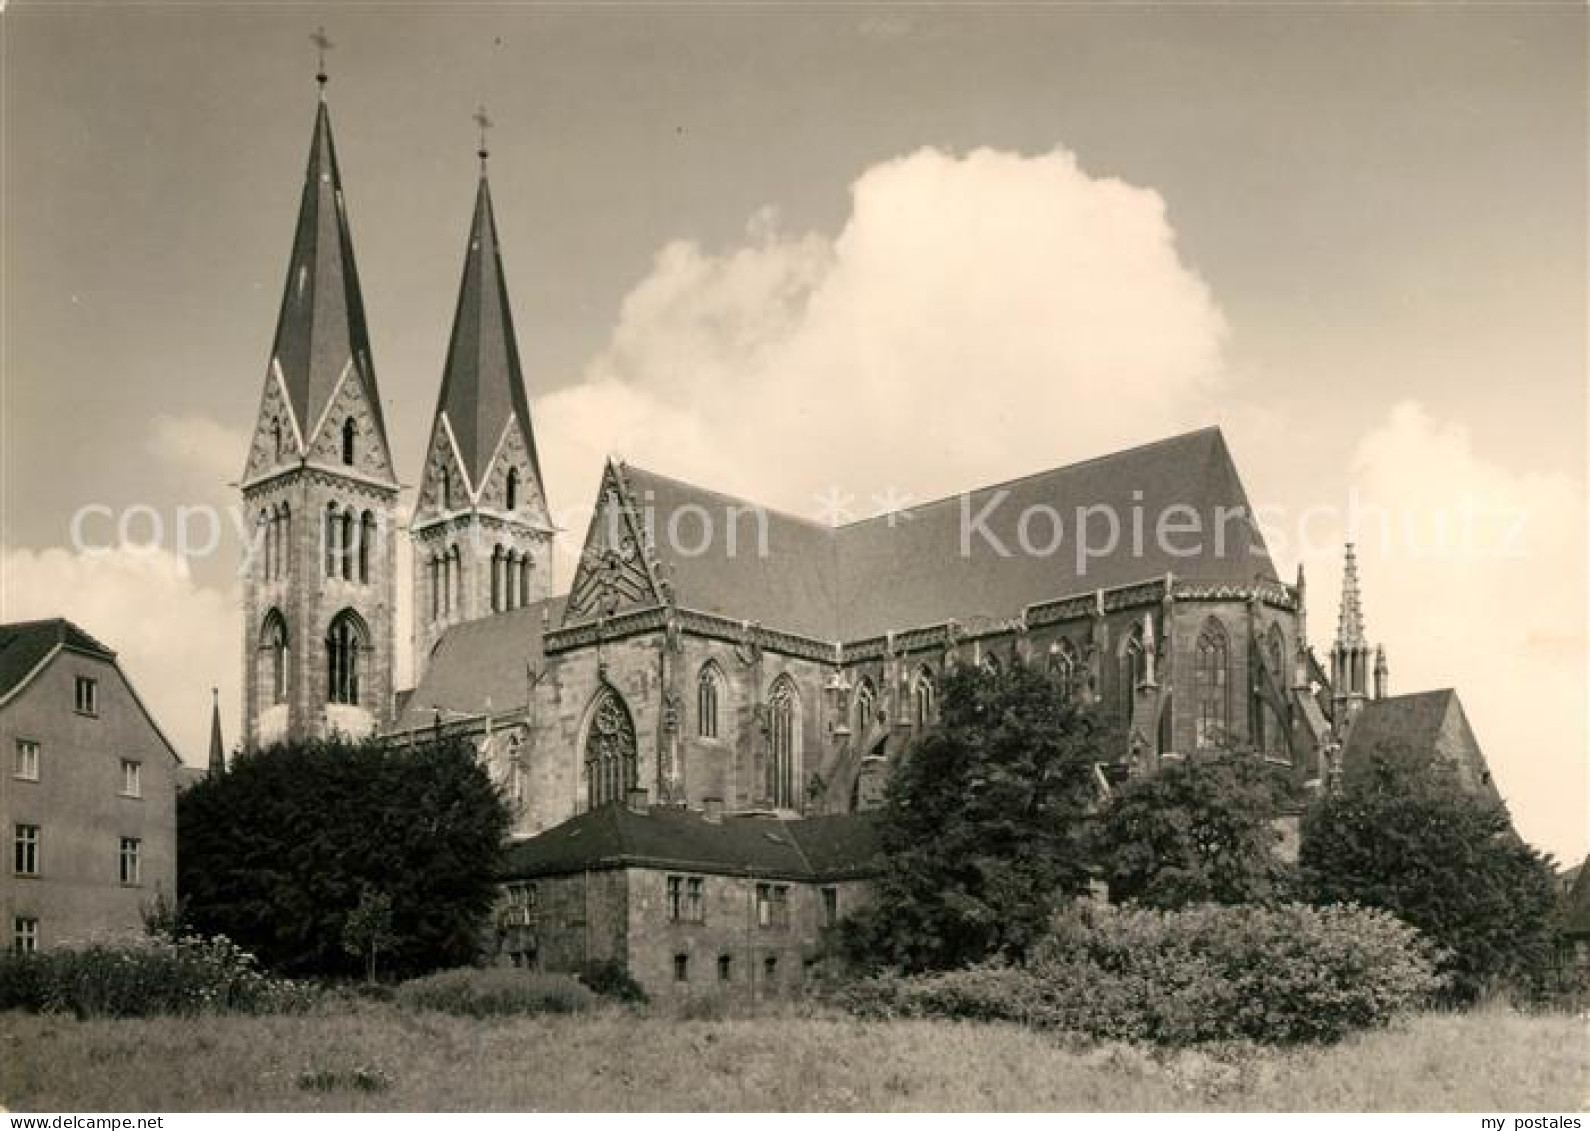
[(379, 1057)]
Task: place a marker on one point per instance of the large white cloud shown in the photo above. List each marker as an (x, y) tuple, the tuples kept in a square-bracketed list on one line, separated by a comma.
[(174, 638), (1474, 577), (976, 317)]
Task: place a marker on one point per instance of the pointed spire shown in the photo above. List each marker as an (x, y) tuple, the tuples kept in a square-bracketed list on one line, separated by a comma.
[(321, 330), (217, 749), (482, 383), (1350, 624)]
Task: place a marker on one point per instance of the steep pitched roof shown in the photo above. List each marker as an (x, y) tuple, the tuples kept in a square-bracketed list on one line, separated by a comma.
[(1576, 906), (933, 562), (27, 644), (1428, 724), (482, 383), (615, 835), (480, 661), (757, 564), (321, 328)]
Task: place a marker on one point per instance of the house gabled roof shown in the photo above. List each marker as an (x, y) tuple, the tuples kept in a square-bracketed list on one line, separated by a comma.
[(1427, 724), (615, 835), (990, 552), (27, 647)]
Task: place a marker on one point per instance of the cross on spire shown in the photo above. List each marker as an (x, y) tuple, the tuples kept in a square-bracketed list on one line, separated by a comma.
[(322, 45), (485, 123)]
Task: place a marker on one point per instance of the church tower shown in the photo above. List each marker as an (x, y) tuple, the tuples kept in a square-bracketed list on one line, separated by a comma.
[(1351, 653), (320, 581), (481, 529)]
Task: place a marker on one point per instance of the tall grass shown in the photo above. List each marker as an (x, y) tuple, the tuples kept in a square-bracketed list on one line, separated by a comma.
[(379, 1057)]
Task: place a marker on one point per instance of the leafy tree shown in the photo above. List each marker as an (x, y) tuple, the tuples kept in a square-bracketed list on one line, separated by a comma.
[(368, 930), (1404, 835), (278, 852), (1197, 831), (981, 829)]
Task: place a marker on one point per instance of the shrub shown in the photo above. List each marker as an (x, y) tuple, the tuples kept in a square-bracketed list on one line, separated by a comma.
[(610, 978), (147, 978), (1207, 973), (498, 992), (1405, 834)]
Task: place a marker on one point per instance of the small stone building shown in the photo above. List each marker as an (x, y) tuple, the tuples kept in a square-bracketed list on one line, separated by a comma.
[(694, 903)]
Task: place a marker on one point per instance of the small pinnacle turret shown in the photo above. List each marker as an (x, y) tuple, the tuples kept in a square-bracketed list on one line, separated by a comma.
[(1351, 654), (217, 748)]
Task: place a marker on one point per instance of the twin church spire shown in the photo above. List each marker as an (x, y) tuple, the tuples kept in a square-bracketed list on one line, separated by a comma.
[(320, 596)]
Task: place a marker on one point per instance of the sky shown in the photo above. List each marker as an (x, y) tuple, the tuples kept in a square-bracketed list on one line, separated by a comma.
[(890, 252)]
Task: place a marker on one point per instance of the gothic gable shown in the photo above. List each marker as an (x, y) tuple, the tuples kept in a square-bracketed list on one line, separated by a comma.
[(615, 573), (441, 464), (275, 429), (512, 454), (349, 402)]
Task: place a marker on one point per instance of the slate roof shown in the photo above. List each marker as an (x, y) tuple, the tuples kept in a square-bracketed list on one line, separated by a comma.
[(1576, 907), (477, 661), (25, 644), (321, 326), (1428, 723), (908, 570), (614, 835), (482, 383)]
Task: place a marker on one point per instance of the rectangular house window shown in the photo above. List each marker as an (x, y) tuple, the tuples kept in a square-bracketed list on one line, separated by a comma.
[(24, 934), (676, 898), (693, 901), (25, 760), (131, 778), (772, 906), (130, 846), (725, 968), (681, 968), (25, 859), (85, 695), (830, 906)]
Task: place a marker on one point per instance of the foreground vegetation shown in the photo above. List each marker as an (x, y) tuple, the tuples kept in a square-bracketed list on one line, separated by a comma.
[(373, 1056)]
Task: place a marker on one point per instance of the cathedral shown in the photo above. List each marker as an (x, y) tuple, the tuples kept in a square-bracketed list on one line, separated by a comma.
[(710, 655)]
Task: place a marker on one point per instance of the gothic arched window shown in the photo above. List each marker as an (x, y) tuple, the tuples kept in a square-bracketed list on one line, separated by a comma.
[(284, 544), (708, 684), (866, 705), (455, 579), (610, 770), (348, 549), (273, 638), (922, 699), (276, 436), (332, 539), (1063, 668), (350, 432), (524, 580), (1134, 669), (497, 602), (1211, 685), (447, 489), (513, 488), (366, 537), (266, 538), (344, 643), (784, 744), (436, 586)]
